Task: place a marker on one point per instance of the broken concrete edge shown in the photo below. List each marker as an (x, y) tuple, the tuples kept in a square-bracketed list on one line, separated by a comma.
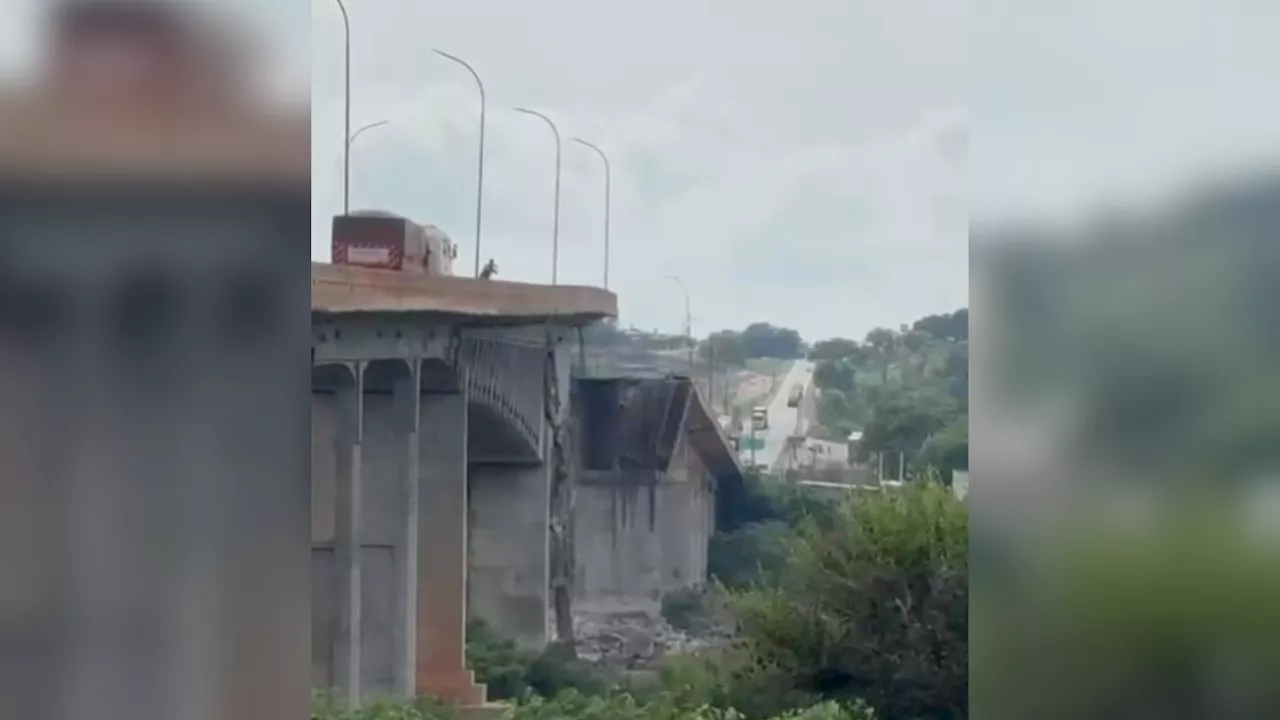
[(344, 290)]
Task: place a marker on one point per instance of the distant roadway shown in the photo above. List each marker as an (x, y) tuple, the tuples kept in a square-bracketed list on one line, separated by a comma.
[(784, 421)]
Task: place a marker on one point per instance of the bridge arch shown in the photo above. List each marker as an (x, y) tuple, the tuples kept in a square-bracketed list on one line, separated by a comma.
[(505, 382)]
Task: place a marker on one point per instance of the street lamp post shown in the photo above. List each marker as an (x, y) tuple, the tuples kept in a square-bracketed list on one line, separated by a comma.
[(364, 128), (608, 181), (360, 131), (480, 169), (346, 123), (555, 228), (688, 320)]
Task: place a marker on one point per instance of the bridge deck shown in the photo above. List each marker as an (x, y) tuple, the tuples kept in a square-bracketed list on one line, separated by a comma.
[(344, 290)]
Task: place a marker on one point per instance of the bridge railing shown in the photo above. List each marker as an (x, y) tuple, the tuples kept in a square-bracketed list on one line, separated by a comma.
[(508, 377)]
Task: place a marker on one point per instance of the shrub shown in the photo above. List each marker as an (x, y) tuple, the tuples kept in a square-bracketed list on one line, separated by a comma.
[(558, 669), (729, 677), (873, 606), (497, 661), (573, 705), (510, 672), (687, 610), (325, 707), (752, 555)]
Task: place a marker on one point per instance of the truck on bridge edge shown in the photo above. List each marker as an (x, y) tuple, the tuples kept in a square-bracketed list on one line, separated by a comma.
[(386, 241)]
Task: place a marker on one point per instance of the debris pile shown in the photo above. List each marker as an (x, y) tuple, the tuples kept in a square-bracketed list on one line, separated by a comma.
[(634, 639)]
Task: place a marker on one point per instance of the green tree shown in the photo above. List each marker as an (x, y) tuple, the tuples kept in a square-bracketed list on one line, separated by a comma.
[(765, 340), (873, 606), (837, 349), (835, 375), (948, 450), (902, 422), (724, 346), (884, 347), (947, 326)]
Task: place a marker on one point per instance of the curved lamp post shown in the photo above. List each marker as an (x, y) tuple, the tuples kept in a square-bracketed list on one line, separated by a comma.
[(480, 170), (362, 129), (555, 228), (608, 181)]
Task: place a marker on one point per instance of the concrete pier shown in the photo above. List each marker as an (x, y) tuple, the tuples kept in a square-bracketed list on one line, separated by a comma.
[(429, 413)]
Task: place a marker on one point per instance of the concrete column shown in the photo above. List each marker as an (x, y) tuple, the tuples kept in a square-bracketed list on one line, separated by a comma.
[(407, 408), (349, 407), (510, 550), (442, 557)]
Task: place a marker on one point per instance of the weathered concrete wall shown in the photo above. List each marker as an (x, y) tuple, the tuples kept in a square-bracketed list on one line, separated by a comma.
[(636, 543), (645, 507), (619, 552), (509, 550), (688, 519)]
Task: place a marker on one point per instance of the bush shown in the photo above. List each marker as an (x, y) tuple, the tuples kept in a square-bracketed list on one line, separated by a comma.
[(874, 606), (497, 661), (325, 707), (731, 678), (687, 610), (558, 669), (510, 672), (750, 556), (574, 705)]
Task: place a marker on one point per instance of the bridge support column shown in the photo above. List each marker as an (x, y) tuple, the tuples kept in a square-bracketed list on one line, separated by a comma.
[(406, 401), (510, 550), (442, 558), (349, 406)]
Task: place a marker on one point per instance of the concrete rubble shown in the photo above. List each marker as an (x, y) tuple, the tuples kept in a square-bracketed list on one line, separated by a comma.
[(635, 638)]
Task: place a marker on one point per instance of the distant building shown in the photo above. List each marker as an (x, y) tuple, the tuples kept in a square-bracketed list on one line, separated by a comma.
[(854, 444)]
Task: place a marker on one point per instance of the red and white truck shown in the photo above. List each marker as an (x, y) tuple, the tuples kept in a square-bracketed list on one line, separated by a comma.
[(386, 241)]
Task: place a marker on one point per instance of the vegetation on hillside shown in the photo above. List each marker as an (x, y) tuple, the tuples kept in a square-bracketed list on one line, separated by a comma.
[(758, 340), (906, 390)]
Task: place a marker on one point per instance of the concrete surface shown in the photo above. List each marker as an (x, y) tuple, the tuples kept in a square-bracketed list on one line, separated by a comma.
[(509, 553), (653, 456), (345, 289)]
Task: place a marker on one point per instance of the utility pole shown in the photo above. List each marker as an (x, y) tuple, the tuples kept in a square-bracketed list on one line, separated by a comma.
[(711, 375), (688, 320)]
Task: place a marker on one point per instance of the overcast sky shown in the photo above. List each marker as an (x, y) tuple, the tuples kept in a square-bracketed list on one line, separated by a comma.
[(801, 163), (797, 163)]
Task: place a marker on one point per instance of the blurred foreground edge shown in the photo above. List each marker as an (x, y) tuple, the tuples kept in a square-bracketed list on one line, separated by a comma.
[(154, 223), (142, 91)]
